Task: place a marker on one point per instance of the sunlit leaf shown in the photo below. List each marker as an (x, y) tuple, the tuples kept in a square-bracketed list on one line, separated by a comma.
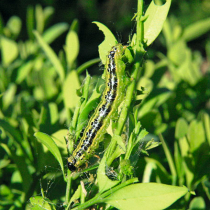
[(155, 18), (51, 55), (70, 86), (150, 196), (72, 47), (9, 50), (54, 32)]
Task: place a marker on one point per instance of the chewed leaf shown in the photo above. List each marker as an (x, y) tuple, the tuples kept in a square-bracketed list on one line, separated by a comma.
[(155, 18), (108, 42), (150, 196), (50, 144)]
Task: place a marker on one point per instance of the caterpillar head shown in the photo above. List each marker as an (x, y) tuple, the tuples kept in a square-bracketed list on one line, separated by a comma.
[(71, 165)]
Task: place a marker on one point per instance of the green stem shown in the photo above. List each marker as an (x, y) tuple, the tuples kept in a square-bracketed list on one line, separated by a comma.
[(68, 188), (140, 25), (138, 60)]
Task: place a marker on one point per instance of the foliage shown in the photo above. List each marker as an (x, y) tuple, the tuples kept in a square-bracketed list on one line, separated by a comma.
[(42, 91)]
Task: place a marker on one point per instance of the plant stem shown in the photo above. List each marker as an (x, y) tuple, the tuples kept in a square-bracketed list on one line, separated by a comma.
[(140, 25), (68, 187)]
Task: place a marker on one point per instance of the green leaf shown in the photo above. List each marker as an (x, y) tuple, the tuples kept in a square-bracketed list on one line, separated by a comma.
[(9, 50), (14, 25), (189, 69), (160, 172), (104, 182), (39, 15), (206, 186), (196, 30), (11, 130), (197, 203), (179, 164), (178, 52), (206, 123), (150, 196), (76, 195), (70, 86), (21, 163), (30, 21), (51, 55), (108, 42), (87, 107), (169, 157), (87, 64), (181, 128), (75, 25), (149, 69), (9, 96), (155, 18), (48, 11), (48, 117), (54, 32), (196, 135), (40, 203), (151, 144), (50, 144), (186, 159), (23, 71), (155, 99), (72, 47), (49, 88), (4, 163), (58, 137)]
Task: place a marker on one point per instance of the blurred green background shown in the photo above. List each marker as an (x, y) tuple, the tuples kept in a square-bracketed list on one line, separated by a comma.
[(37, 92)]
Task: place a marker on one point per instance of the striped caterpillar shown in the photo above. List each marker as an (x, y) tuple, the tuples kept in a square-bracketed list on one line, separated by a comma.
[(105, 111)]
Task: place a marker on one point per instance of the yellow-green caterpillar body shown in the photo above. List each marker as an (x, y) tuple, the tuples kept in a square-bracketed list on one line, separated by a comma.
[(106, 110)]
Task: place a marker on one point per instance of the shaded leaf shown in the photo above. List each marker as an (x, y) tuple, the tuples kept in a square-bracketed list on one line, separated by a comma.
[(196, 29), (50, 144), (181, 128)]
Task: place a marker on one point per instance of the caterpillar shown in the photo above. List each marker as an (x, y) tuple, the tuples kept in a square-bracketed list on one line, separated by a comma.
[(105, 111)]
